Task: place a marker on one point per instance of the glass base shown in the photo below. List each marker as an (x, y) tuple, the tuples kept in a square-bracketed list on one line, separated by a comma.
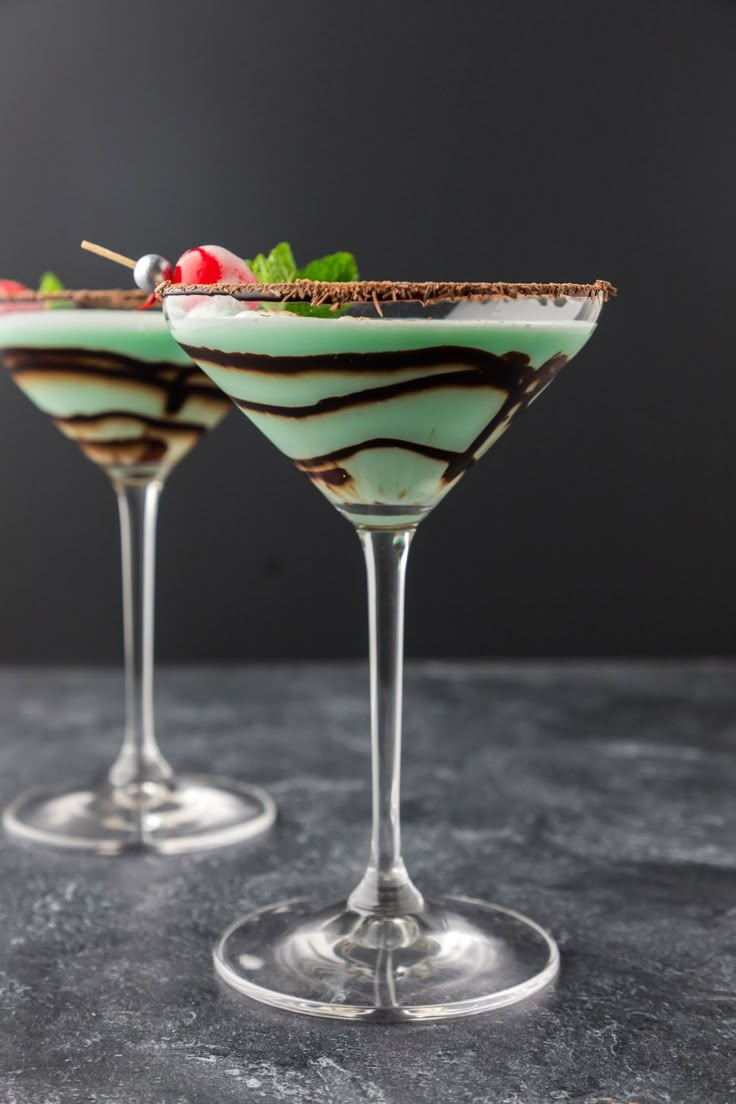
[(457, 957), (189, 813)]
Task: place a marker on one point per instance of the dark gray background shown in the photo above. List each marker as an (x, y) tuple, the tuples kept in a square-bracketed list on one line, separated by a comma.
[(473, 140)]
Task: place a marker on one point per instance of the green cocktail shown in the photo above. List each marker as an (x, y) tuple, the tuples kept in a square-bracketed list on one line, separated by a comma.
[(384, 395), (112, 379), (384, 416)]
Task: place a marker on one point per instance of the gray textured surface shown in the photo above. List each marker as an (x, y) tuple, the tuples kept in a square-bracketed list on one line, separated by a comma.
[(600, 799)]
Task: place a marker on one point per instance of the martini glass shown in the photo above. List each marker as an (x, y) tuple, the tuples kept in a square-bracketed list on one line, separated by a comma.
[(384, 395), (113, 380)]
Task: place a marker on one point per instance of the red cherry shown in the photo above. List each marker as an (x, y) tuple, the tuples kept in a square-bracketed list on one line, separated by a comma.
[(11, 288), (211, 264)]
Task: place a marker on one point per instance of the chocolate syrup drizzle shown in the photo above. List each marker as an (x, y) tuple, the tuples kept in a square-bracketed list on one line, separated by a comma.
[(434, 356), (125, 451), (126, 415), (512, 374), (176, 383)]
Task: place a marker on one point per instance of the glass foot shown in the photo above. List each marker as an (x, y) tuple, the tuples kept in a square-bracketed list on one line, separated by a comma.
[(187, 814), (456, 957)]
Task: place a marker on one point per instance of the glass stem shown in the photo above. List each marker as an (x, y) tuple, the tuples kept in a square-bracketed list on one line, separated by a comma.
[(140, 769), (386, 887)]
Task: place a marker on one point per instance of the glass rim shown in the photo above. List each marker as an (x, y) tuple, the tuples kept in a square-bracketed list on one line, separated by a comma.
[(317, 293), (110, 298)]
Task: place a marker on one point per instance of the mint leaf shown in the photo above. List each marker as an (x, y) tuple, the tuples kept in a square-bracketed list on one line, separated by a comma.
[(334, 268), (49, 282), (279, 267)]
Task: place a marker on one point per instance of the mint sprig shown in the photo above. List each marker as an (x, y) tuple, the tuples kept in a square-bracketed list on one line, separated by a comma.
[(335, 268), (280, 267), (49, 282)]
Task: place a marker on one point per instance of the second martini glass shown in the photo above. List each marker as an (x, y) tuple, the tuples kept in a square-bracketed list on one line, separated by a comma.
[(384, 395), (113, 380)]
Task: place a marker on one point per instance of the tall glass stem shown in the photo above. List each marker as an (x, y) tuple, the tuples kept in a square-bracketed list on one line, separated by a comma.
[(140, 772), (386, 887)]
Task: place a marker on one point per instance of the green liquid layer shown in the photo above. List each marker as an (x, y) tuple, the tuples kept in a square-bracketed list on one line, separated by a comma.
[(383, 415), (113, 381)]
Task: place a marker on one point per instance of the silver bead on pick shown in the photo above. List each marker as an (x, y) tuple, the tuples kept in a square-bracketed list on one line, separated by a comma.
[(151, 270)]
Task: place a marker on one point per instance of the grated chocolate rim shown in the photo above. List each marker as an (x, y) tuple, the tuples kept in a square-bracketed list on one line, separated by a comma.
[(319, 293), (111, 299)]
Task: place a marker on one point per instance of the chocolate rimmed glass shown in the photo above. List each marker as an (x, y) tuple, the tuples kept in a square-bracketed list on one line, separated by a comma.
[(112, 379), (384, 395)]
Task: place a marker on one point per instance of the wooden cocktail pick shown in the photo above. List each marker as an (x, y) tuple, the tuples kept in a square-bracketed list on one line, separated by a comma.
[(148, 271), (111, 255)]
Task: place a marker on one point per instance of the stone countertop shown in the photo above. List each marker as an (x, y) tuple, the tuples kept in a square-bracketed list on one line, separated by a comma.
[(597, 798)]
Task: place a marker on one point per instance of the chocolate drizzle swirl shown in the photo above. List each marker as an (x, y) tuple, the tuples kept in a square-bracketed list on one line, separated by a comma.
[(152, 440), (512, 374), (124, 452), (502, 373), (177, 382), (433, 356), (92, 420), (472, 378), (531, 384), (327, 469)]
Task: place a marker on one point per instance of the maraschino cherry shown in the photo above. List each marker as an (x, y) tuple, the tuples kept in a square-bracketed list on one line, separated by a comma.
[(211, 264), (205, 264), (12, 287)]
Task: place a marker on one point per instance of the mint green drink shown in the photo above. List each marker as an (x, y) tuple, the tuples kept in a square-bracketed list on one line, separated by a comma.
[(384, 394), (114, 381), (106, 370), (384, 416)]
